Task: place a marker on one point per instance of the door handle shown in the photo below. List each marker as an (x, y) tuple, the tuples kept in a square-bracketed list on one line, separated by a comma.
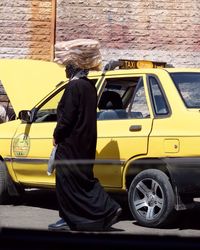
[(134, 128)]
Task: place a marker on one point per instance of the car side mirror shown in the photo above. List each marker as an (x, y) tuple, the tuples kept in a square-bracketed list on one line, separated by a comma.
[(26, 115)]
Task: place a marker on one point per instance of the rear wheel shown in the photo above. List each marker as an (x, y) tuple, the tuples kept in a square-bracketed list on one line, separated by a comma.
[(151, 198)]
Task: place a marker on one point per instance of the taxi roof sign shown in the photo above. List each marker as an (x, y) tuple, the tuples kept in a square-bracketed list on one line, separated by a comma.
[(133, 64), (140, 64)]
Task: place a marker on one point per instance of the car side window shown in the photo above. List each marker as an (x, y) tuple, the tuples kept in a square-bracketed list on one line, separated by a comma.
[(159, 102), (123, 98), (48, 111), (138, 107)]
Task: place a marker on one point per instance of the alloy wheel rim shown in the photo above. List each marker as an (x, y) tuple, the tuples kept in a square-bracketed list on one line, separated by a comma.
[(148, 199)]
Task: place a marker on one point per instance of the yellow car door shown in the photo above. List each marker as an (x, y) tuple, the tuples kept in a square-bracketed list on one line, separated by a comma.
[(32, 145), (123, 128)]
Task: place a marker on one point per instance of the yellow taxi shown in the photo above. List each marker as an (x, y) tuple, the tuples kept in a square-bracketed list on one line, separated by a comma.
[(148, 143)]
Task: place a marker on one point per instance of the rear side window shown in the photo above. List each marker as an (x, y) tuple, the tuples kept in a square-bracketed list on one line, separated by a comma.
[(159, 102), (188, 86)]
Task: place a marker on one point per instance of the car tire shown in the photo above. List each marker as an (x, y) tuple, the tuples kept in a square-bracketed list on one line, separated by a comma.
[(151, 198), (9, 191), (4, 196)]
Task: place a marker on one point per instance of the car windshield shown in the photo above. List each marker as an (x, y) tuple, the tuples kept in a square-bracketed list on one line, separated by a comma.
[(188, 85)]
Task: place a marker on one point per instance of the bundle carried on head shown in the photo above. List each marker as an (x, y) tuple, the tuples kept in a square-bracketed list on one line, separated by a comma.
[(84, 53)]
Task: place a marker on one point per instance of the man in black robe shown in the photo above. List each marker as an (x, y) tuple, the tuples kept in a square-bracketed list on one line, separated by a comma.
[(83, 203)]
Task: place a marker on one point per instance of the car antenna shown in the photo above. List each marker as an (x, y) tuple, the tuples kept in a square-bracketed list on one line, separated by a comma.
[(111, 65)]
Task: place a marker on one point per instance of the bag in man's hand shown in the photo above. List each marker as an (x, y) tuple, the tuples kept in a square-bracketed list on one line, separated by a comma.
[(51, 165)]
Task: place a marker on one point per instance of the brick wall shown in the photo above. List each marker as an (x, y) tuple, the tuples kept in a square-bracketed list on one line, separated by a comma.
[(153, 29), (25, 29)]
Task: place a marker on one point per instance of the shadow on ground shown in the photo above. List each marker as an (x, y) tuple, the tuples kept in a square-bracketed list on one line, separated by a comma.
[(47, 199), (39, 198), (183, 220), (188, 219)]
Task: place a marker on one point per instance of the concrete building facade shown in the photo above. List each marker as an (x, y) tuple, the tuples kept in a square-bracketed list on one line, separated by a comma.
[(157, 30)]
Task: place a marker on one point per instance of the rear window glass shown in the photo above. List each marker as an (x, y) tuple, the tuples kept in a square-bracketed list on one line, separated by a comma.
[(188, 85)]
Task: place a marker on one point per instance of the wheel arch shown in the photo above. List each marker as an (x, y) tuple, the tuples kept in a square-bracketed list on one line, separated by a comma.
[(134, 167)]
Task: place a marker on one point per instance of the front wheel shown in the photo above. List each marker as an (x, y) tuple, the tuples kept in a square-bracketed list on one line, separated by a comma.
[(151, 198), (3, 184), (9, 192)]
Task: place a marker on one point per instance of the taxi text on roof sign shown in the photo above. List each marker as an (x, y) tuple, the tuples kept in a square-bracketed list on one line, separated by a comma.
[(139, 64)]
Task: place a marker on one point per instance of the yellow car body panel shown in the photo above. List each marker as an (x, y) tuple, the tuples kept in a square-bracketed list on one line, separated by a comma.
[(33, 172), (27, 81)]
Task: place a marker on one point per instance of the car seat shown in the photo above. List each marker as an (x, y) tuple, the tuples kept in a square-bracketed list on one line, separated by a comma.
[(111, 106), (110, 100)]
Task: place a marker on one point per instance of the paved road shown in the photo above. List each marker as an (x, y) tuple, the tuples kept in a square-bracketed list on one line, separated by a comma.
[(39, 208)]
